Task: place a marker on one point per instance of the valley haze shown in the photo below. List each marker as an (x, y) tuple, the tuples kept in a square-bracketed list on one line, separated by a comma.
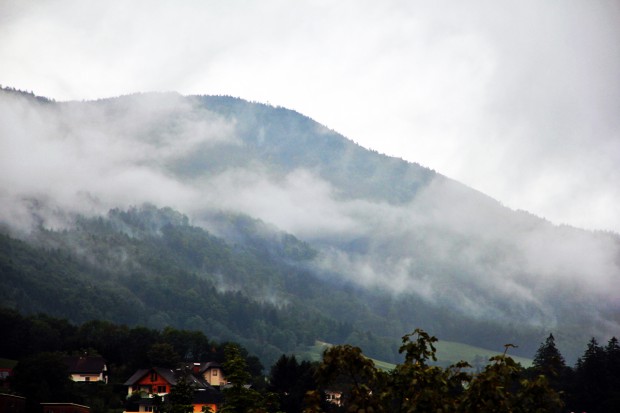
[(377, 222)]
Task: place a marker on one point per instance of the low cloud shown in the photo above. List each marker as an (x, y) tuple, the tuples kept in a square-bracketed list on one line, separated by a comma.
[(448, 245), (89, 157)]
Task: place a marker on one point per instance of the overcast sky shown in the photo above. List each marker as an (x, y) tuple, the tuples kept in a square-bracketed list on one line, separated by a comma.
[(518, 99)]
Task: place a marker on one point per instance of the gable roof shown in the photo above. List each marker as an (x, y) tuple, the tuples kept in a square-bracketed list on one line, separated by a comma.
[(209, 365), (85, 364), (166, 374), (208, 396)]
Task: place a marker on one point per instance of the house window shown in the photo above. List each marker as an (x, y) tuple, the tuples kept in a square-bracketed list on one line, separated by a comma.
[(161, 389), (153, 376), (215, 372)]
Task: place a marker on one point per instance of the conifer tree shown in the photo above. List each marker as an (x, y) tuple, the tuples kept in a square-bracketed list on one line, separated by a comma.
[(591, 386), (548, 359)]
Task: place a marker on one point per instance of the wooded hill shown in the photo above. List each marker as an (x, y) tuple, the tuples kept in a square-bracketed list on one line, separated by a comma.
[(149, 267), (257, 224)]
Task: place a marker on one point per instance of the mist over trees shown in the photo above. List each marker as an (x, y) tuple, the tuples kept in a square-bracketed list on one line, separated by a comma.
[(148, 266), (289, 221)]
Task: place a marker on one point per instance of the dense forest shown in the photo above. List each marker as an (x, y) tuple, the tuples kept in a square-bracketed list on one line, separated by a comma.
[(272, 230), (148, 266), (416, 383)]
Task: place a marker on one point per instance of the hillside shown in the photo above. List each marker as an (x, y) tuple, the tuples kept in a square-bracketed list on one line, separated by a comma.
[(148, 266), (263, 211)]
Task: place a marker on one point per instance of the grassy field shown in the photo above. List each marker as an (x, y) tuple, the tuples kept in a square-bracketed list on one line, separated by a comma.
[(447, 353)]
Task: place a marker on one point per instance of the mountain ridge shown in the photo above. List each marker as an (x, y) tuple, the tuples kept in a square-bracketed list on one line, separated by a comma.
[(380, 226)]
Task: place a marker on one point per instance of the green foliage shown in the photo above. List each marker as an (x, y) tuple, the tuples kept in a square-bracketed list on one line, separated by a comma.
[(548, 359), (42, 377), (290, 380), (181, 397), (594, 387), (418, 386), (239, 397), (148, 266), (349, 371), (163, 355), (502, 387)]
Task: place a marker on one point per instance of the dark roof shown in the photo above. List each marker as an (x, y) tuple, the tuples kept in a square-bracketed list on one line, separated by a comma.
[(85, 364), (167, 375), (136, 376), (208, 396), (11, 396), (209, 365), (63, 404)]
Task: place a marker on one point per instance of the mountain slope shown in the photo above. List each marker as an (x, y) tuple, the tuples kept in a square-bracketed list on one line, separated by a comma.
[(149, 267), (401, 246)]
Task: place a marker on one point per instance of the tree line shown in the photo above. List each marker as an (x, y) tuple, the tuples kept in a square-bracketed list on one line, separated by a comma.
[(416, 384)]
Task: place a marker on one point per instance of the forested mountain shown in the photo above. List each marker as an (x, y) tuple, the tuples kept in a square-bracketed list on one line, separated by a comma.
[(258, 224), (148, 266)]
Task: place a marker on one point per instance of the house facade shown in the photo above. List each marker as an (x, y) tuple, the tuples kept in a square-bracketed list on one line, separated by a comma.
[(10, 403), (145, 384), (6, 371), (149, 382), (87, 368), (213, 374)]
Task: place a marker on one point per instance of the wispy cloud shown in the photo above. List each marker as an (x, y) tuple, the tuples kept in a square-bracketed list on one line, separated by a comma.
[(518, 99), (87, 158), (449, 245)]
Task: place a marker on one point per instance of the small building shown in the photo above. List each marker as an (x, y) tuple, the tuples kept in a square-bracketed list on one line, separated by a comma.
[(334, 397), (87, 368), (6, 371), (64, 408), (145, 384), (151, 381), (10, 403), (207, 398), (213, 374)]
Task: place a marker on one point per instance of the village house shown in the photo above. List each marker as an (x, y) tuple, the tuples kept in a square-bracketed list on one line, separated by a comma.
[(87, 368), (149, 382), (6, 371), (334, 397), (144, 384), (10, 403), (212, 372)]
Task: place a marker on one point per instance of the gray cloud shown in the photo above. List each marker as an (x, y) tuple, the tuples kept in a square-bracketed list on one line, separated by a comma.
[(449, 245), (518, 99), (81, 158)]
